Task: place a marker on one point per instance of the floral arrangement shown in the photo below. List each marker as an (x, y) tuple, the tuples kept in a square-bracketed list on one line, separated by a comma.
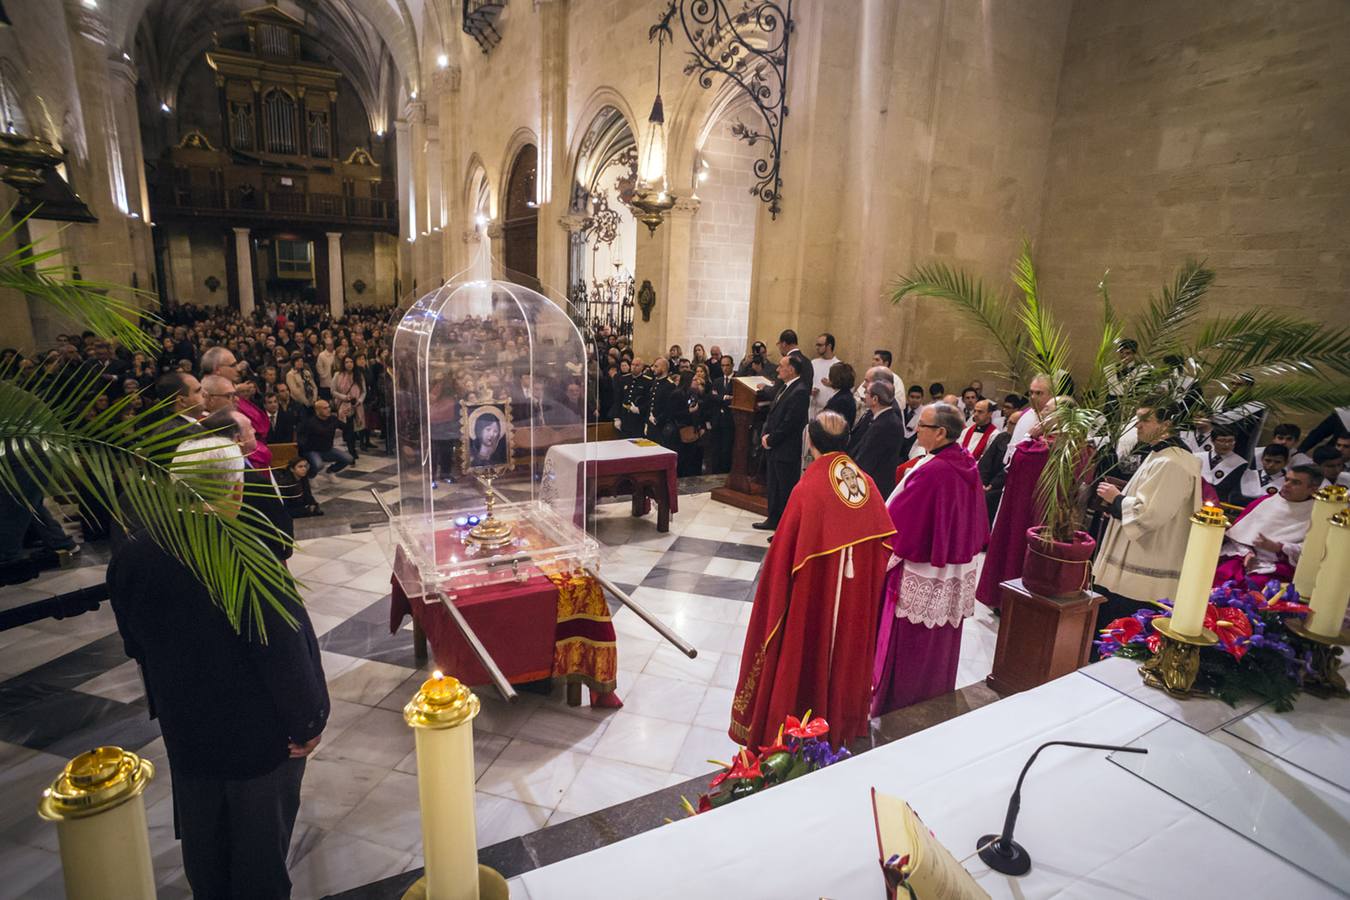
[(800, 748), (1256, 653)]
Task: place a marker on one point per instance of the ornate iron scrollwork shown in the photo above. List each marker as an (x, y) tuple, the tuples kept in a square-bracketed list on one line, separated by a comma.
[(750, 47)]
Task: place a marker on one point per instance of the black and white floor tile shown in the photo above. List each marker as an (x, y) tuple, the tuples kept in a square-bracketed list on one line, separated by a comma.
[(66, 686)]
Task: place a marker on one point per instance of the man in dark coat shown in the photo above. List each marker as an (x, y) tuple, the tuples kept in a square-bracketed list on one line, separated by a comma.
[(877, 451), (993, 471), (782, 437), (236, 757)]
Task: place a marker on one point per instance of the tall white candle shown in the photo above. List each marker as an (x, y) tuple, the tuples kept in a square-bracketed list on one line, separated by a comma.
[(1326, 503), (98, 806), (440, 714), (1197, 571), (1332, 593)]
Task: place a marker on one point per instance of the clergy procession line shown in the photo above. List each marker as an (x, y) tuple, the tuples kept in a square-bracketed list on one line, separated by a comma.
[(898, 518)]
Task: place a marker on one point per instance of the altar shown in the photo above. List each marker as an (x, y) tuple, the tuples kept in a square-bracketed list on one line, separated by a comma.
[(1094, 825), (639, 467)]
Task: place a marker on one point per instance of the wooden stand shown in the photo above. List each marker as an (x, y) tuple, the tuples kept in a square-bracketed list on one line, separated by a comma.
[(743, 489), (1040, 639)]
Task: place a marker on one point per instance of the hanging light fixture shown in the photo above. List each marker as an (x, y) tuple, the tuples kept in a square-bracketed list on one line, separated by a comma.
[(653, 199)]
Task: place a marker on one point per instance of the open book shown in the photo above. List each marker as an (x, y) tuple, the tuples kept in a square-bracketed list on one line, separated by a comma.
[(913, 861)]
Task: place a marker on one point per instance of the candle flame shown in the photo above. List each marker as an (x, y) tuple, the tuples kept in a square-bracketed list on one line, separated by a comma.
[(437, 675)]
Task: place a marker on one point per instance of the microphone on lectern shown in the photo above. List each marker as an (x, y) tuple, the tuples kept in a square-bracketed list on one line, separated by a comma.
[(999, 851)]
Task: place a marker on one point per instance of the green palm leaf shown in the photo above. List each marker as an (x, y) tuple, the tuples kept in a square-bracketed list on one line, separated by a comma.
[(109, 310), (969, 295), (1161, 327), (124, 465), (53, 434)]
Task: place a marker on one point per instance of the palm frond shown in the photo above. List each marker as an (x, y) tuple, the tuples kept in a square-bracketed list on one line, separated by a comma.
[(1310, 395), (992, 311), (1161, 327), (109, 310), (1094, 387), (1047, 349), (123, 465), (1276, 343)]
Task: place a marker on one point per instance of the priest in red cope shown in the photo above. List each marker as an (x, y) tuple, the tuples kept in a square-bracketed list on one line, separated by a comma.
[(814, 622), (941, 524)]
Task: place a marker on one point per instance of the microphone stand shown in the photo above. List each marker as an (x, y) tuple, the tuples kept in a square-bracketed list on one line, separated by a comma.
[(999, 851)]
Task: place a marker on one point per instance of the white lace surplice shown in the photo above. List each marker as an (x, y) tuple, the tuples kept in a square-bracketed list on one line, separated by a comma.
[(937, 595)]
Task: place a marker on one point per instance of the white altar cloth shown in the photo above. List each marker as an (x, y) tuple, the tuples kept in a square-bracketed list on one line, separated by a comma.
[(563, 473), (1093, 829)]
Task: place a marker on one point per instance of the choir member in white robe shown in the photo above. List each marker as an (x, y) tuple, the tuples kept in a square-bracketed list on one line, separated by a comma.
[(1267, 539), (1267, 478), (1139, 560)]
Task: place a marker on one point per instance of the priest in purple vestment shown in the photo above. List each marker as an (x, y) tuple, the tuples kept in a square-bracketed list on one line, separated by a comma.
[(1018, 510), (941, 524)]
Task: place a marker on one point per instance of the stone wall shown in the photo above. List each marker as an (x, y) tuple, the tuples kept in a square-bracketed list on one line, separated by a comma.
[(723, 245), (1216, 130)]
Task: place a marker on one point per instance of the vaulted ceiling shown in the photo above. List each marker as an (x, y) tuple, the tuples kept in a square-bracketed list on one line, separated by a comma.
[(374, 43)]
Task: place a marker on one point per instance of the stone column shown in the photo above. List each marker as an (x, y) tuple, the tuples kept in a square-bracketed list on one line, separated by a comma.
[(435, 206), (243, 258), (101, 249), (416, 116), (123, 83), (663, 259), (445, 83), (555, 182), (337, 290), (407, 201)]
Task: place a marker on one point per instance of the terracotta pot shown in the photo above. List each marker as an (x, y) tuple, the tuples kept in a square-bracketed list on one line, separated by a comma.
[(1055, 569)]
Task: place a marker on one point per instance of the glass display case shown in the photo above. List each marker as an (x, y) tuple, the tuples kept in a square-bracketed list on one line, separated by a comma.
[(490, 430)]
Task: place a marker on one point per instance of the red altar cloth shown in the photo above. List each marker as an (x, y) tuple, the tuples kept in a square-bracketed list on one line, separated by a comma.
[(515, 620), (546, 626)]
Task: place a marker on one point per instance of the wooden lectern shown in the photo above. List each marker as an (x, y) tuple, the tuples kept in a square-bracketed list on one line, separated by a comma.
[(744, 488), (1040, 638)]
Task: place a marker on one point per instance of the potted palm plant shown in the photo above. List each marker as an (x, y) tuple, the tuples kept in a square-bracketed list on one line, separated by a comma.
[(117, 460), (1230, 364)]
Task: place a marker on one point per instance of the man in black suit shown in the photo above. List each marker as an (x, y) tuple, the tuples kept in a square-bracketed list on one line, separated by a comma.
[(658, 403), (877, 449), (782, 437), (236, 761), (281, 421), (991, 467)]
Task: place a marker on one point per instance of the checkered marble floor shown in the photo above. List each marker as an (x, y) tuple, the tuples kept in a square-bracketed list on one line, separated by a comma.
[(66, 686)]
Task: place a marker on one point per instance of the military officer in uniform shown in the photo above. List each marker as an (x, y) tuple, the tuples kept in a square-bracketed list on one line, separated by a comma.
[(635, 390)]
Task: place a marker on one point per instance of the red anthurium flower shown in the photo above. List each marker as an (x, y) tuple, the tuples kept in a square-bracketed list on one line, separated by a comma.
[(1233, 628), (1153, 642), (1123, 630), (806, 729), (745, 765)]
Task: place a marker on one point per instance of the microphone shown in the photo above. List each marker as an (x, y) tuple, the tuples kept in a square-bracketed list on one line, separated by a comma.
[(999, 851)]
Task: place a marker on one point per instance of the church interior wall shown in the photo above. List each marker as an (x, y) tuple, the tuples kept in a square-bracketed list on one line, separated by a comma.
[(723, 244), (1214, 130)]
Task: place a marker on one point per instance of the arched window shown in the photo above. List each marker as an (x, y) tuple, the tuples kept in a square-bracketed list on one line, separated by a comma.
[(279, 121)]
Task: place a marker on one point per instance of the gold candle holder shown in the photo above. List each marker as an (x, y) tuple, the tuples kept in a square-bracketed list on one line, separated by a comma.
[(441, 714), (1326, 680), (1177, 663), (492, 532), (99, 811)]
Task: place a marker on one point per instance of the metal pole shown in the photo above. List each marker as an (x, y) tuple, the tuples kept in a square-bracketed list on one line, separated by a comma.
[(384, 507), (641, 612), (484, 658)]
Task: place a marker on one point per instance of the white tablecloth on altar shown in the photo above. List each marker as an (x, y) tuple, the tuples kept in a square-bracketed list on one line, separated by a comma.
[(563, 470), (1092, 828)]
